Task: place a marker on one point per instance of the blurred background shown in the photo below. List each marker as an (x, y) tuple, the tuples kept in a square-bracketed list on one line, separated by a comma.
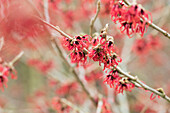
[(44, 76)]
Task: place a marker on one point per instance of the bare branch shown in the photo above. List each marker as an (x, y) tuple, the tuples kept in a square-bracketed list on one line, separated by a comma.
[(55, 28), (16, 58), (143, 85), (94, 18), (65, 60), (74, 72)]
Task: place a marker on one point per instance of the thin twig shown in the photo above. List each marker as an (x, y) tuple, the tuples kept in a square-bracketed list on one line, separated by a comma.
[(55, 28), (16, 58), (47, 18), (30, 2), (165, 33), (163, 19), (58, 29), (143, 85), (94, 18)]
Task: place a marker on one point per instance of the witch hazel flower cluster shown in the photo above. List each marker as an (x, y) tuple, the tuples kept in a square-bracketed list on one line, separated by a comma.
[(104, 51), (77, 45), (120, 84), (7, 69), (132, 19)]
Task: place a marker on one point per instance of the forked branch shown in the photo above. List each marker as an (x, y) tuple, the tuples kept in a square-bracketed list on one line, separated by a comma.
[(138, 83)]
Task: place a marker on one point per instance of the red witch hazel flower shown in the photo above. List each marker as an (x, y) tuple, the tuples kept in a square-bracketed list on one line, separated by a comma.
[(124, 84), (103, 50), (113, 60), (78, 56), (77, 42), (77, 45), (67, 43), (153, 96), (112, 78), (4, 73), (118, 83), (132, 18)]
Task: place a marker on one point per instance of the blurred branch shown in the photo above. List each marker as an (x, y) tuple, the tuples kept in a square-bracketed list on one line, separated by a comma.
[(74, 72), (95, 17), (61, 52), (65, 101), (47, 18), (99, 106), (126, 56), (16, 58), (62, 55), (144, 109), (165, 33), (34, 7)]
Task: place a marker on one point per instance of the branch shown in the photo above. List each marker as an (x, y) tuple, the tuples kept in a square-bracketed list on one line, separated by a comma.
[(165, 33), (58, 30), (55, 28), (65, 60), (62, 55), (74, 72), (16, 58), (94, 18), (68, 64), (134, 80), (144, 86)]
